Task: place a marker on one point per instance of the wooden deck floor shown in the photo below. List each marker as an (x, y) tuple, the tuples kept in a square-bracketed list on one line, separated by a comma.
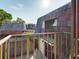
[(37, 55)]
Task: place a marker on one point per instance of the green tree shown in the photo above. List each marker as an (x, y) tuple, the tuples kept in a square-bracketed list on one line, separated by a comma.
[(19, 20), (4, 16)]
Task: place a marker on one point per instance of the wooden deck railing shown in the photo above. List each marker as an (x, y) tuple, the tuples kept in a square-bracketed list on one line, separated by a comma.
[(2, 41), (51, 45)]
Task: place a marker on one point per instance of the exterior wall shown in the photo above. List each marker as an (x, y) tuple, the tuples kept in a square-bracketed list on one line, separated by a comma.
[(63, 16), (38, 28)]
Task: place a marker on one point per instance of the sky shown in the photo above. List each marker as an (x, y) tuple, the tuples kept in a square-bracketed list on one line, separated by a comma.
[(30, 10)]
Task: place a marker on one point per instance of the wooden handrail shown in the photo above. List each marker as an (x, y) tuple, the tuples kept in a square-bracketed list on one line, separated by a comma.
[(39, 33), (9, 36), (5, 39)]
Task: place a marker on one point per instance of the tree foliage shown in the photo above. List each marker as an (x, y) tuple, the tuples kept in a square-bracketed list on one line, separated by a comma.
[(19, 20), (7, 18), (4, 16)]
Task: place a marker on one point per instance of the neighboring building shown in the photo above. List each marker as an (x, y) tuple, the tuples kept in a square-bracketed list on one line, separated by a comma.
[(30, 27), (12, 28), (58, 21)]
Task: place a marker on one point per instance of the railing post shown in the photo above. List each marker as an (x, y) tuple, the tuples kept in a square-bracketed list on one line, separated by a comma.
[(1, 52)]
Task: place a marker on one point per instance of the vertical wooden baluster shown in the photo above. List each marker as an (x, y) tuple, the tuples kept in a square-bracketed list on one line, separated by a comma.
[(8, 49), (28, 47), (66, 43), (34, 46), (51, 45), (38, 46), (47, 45), (72, 45), (54, 45), (76, 48), (15, 47), (1, 52), (61, 44), (21, 49), (58, 45), (44, 43)]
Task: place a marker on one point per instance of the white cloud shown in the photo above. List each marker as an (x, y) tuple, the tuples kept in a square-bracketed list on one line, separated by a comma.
[(17, 6), (20, 5), (14, 7)]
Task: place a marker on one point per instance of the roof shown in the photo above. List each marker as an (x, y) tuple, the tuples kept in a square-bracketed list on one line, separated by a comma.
[(57, 11)]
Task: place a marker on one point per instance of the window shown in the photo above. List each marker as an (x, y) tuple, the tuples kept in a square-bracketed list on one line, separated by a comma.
[(43, 25), (50, 25), (54, 23)]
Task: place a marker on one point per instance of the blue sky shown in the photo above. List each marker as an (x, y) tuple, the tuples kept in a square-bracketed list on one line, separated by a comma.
[(30, 10)]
